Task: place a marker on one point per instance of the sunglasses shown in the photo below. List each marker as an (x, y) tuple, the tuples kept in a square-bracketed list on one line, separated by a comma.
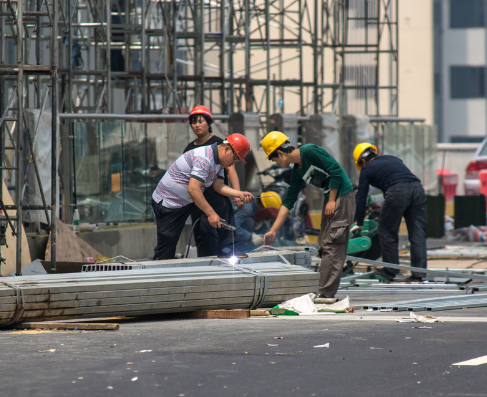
[(235, 157)]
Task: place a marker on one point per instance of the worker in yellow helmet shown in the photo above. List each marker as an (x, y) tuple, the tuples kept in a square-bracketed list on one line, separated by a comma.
[(250, 221), (404, 196), (314, 166)]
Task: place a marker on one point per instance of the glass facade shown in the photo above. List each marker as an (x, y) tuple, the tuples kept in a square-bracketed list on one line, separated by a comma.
[(118, 165), (415, 145)]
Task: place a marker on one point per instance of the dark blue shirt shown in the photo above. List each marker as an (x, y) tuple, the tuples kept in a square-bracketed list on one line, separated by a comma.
[(382, 172)]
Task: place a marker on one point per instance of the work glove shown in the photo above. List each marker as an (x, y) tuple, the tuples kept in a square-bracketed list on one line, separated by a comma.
[(356, 230), (257, 239)]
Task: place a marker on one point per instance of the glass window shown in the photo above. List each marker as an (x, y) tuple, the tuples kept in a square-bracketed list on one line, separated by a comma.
[(467, 14), (467, 82)]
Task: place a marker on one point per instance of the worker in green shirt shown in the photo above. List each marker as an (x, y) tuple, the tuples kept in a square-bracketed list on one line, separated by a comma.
[(314, 166)]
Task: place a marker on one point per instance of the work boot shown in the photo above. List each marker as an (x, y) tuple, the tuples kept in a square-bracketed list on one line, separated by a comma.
[(384, 272), (322, 299), (413, 279)]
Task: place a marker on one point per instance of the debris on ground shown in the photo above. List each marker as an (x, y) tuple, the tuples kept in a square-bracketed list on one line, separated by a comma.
[(414, 318), (305, 305)]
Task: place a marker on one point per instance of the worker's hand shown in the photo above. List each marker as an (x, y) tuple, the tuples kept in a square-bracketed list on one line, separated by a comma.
[(269, 238), (356, 230), (330, 209), (257, 239), (214, 221), (246, 197), (239, 203)]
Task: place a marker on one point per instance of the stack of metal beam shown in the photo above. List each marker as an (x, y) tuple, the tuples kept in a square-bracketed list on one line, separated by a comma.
[(432, 304), (219, 285)]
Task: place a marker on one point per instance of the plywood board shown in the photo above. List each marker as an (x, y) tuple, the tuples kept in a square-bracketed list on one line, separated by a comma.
[(70, 248), (10, 252)]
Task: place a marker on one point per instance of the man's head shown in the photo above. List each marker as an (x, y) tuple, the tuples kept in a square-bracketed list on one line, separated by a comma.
[(233, 149), (363, 153), (276, 145), (268, 206), (200, 120)]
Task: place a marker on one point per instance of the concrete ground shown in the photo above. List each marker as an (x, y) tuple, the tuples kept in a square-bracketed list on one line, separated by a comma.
[(365, 354)]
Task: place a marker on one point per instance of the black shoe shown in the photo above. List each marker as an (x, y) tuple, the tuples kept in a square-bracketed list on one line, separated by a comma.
[(413, 279), (382, 271), (320, 299)]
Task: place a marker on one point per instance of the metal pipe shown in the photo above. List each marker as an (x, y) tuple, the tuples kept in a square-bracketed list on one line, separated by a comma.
[(19, 136), (136, 117), (54, 148)]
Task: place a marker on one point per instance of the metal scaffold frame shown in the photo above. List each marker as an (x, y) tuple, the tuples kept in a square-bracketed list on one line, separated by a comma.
[(163, 57), (25, 25)]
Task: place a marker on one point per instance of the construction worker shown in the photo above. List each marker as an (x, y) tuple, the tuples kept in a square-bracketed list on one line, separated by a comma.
[(206, 237), (313, 165), (179, 193), (403, 196), (250, 220)]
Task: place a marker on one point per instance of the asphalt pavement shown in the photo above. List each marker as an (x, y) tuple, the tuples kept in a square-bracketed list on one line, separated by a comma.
[(361, 354), (354, 354)]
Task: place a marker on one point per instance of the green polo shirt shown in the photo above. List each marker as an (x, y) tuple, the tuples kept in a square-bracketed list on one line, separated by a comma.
[(319, 169)]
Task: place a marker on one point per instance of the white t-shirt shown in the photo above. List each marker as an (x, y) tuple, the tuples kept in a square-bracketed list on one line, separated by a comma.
[(202, 164)]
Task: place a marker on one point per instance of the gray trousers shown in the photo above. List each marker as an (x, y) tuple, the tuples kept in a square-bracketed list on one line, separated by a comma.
[(333, 243)]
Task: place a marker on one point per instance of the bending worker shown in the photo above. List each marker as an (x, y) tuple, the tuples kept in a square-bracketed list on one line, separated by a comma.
[(403, 196), (251, 220), (206, 237), (179, 193), (313, 165)]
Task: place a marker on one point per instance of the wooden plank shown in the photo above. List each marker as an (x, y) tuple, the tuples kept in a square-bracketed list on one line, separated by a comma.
[(220, 314), (260, 313), (68, 326), (9, 252)]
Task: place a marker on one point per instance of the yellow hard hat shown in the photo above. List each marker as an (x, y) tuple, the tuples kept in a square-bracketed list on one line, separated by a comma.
[(359, 149), (272, 141), (271, 199)]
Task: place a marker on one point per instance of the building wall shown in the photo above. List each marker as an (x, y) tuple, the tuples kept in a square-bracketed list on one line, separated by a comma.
[(461, 47), (416, 94)]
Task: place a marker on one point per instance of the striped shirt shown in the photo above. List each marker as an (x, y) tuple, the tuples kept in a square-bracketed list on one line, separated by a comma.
[(201, 164)]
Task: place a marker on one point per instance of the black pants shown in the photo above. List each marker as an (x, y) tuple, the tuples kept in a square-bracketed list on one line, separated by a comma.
[(208, 239), (170, 223), (408, 200)]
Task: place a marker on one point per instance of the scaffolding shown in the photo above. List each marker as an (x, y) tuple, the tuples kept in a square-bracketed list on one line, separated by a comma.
[(160, 57)]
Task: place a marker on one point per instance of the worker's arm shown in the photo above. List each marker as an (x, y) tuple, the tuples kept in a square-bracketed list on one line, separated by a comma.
[(361, 197), (330, 205), (270, 236), (233, 178), (194, 190), (224, 190)]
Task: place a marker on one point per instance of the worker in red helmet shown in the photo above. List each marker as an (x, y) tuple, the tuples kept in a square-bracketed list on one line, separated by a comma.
[(180, 192), (200, 120)]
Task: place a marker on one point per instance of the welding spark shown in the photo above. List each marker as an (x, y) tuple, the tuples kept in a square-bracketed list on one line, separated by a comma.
[(233, 260)]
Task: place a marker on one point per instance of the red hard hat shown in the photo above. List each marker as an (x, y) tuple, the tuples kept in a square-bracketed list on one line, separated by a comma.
[(200, 109), (240, 145)]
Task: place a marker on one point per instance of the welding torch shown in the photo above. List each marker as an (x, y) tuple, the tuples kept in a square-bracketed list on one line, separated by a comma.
[(255, 197)]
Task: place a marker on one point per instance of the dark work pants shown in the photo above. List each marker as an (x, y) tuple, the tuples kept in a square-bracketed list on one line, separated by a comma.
[(170, 223), (406, 200), (208, 239)]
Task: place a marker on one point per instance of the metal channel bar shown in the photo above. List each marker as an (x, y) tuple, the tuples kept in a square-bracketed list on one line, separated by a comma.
[(415, 269), (432, 304), (136, 117)]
